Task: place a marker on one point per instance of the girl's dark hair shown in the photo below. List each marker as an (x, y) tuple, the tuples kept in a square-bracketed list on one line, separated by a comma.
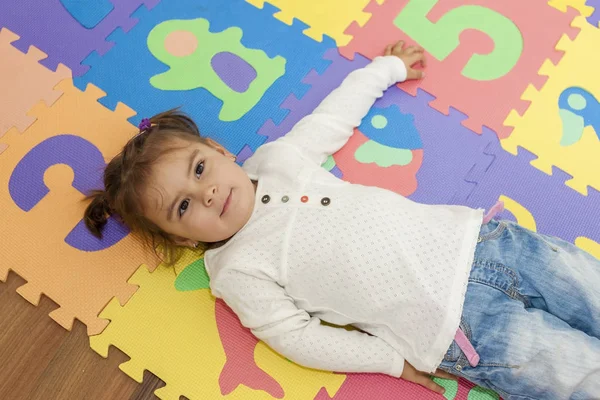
[(127, 176)]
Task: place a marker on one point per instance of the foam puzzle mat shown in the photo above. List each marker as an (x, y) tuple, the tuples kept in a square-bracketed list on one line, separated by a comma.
[(509, 110)]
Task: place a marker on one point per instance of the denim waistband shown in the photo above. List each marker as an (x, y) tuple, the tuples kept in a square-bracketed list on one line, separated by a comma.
[(460, 338)]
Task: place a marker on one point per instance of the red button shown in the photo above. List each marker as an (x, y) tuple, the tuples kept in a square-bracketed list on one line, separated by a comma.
[(304, 199)]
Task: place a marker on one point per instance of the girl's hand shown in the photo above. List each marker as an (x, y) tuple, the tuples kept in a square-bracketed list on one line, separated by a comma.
[(410, 56), (421, 378)]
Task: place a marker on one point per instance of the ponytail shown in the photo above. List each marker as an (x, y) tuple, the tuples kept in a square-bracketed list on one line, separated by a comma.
[(97, 212)]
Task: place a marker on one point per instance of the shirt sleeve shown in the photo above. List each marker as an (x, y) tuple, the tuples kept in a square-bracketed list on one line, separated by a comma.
[(332, 123), (263, 306)]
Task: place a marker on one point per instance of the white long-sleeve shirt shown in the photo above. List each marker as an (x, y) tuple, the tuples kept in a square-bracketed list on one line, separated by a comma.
[(317, 248)]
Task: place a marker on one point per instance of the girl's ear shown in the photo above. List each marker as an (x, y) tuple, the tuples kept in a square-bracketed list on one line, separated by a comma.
[(179, 241), (219, 148)]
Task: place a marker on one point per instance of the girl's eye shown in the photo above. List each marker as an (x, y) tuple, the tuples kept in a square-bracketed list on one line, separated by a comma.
[(199, 168), (183, 206), (186, 203)]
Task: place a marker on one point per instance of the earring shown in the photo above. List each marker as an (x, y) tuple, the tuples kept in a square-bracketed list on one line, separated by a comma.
[(195, 245)]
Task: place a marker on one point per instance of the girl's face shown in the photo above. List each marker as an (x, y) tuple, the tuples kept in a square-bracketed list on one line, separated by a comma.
[(199, 194)]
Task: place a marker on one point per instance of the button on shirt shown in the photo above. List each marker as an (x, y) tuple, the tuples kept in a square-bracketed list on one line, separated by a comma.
[(321, 249)]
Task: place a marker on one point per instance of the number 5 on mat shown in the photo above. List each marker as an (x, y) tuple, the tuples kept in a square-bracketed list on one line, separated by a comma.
[(442, 37)]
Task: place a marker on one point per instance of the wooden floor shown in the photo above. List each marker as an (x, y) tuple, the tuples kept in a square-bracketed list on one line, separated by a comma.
[(41, 360)]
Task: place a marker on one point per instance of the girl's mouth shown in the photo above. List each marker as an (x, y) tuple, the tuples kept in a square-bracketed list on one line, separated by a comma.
[(226, 204)]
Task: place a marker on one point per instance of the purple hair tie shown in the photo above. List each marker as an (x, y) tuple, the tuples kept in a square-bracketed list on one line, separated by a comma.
[(145, 124)]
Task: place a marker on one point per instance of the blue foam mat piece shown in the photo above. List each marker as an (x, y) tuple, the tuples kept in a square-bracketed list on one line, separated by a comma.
[(124, 72)]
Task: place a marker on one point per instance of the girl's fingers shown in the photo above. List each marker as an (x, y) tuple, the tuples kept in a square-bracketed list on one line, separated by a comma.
[(410, 50), (426, 381), (399, 45), (388, 49), (415, 74), (443, 374), (416, 57)]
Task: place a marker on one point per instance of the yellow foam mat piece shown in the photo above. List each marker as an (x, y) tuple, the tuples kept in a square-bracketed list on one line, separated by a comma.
[(579, 5), (32, 243), (328, 17), (175, 335), (540, 129)]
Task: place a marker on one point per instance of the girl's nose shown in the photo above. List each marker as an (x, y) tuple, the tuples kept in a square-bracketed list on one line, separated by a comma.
[(209, 195)]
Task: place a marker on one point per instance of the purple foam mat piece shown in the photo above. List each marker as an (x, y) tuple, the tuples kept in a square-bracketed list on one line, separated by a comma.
[(49, 26), (321, 86), (461, 167), (594, 19), (557, 209), (449, 149)]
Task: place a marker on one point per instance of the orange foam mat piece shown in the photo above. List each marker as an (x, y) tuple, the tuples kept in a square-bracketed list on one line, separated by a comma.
[(35, 228), (24, 82)]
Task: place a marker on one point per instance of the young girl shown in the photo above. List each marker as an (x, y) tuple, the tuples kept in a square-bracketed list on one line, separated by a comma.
[(431, 289)]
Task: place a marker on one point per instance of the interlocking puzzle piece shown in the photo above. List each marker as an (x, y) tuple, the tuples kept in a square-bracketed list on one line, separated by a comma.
[(594, 19), (124, 72), (559, 210), (321, 84), (329, 18), (460, 167), (448, 148), (43, 174), (471, 50), (238, 343), (379, 386), (49, 26), (540, 130), (24, 82), (579, 5), (222, 65), (177, 336), (373, 170)]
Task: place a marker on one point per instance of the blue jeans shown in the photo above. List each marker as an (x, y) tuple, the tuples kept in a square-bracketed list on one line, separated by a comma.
[(532, 312)]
